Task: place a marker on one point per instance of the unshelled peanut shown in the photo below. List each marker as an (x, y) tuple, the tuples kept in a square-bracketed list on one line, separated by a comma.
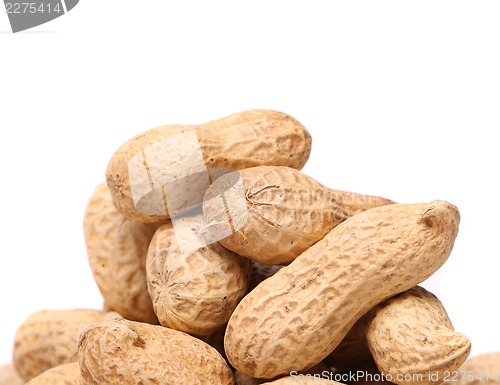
[(121, 352), (272, 214), (49, 338), (168, 169), (294, 319), (117, 247), (412, 340), (194, 282)]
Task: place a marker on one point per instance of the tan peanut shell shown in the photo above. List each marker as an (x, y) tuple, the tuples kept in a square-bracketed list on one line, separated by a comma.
[(194, 284), (66, 374), (9, 375), (411, 333), (169, 168), (295, 318), (49, 338), (121, 352), (272, 214), (117, 247), (481, 369)]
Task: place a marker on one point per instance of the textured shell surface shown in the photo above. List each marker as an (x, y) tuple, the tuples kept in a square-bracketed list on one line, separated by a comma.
[(66, 374), (408, 333), (295, 318), (194, 282), (121, 352), (411, 333), (168, 169), (117, 247), (49, 338), (272, 214)]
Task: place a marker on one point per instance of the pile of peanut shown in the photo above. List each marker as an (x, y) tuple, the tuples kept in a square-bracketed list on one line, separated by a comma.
[(220, 262)]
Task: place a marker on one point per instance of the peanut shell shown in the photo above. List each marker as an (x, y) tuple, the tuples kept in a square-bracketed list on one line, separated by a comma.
[(295, 318), (168, 168), (194, 284), (272, 214), (49, 338), (117, 248), (121, 352), (410, 336)]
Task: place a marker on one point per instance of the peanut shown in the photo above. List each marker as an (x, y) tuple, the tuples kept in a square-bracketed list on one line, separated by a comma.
[(295, 318), (117, 247), (121, 352), (66, 374), (272, 214), (411, 335), (168, 168), (49, 338), (9, 375), (195, 284), (482, 369)]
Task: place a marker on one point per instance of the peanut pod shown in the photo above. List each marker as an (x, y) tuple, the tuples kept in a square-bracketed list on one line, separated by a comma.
[(272, 214), (168, 169), (49, 338), (295, 318), (194, 282), (412, 340), (121, 352), (117, 247)]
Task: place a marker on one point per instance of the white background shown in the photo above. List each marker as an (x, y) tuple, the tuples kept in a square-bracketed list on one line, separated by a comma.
[(402, 100)]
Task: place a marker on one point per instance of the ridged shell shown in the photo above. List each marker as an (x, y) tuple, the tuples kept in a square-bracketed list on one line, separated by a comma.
[(272, 214), (295, 318), (194, 284), (121, 352), (49, 338), (411, 333), (171, 166), (117, 248)]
